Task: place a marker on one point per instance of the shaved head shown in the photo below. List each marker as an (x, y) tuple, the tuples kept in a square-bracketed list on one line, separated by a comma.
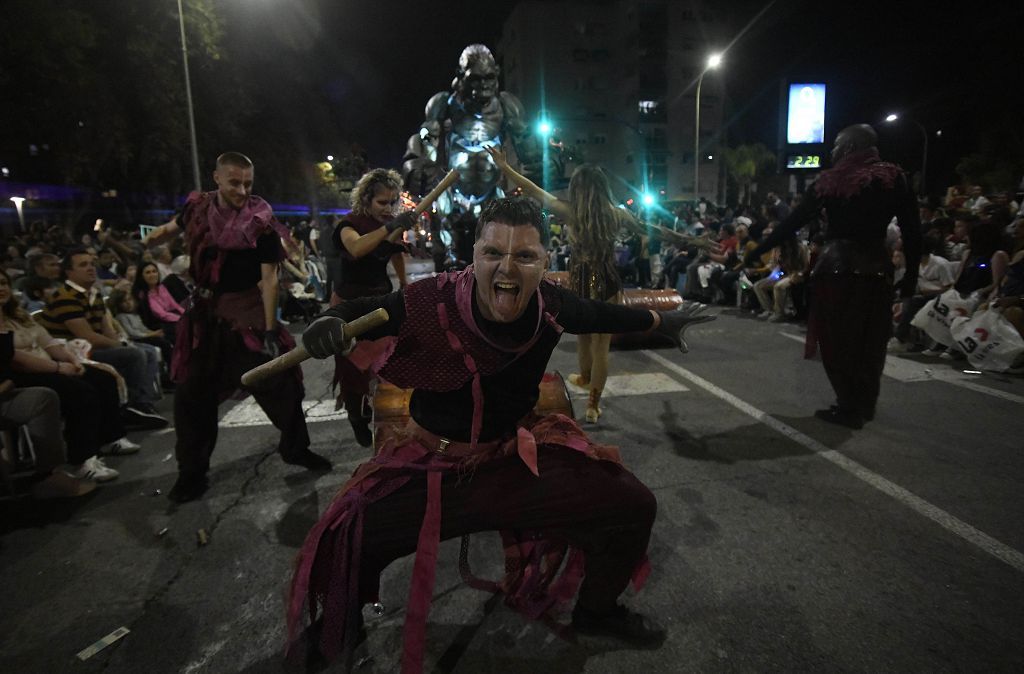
[(854, 139)]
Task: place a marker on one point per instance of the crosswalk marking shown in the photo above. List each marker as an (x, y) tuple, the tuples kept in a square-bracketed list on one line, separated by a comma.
[(907, 371), (641, 383), (248, 413)]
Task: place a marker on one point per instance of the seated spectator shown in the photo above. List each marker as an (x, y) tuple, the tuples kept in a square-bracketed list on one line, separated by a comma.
[(178, 282), (980, 273), (934, 277), (727, 278), (106, 267), (37, 409), (88, 396), (77, 311), (155, 304), (162, 258), (792, 268), (125, 311), (42, 279), (1009, 296), (698, 274)]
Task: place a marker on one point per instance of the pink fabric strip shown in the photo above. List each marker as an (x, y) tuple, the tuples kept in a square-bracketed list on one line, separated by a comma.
[(526, 446), (423, 572)]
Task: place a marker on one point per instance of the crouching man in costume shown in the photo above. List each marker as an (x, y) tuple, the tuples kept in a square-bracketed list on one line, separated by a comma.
[(474, 346), (230, 326)]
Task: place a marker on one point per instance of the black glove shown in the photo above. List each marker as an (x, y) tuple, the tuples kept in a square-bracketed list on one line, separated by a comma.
[(271, 346), (402, 221), (325, 337), (674, 323)]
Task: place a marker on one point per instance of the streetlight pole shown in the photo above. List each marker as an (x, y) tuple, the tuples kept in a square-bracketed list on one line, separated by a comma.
[(19, 206), (713, 62), (924, 152), (188, 98)]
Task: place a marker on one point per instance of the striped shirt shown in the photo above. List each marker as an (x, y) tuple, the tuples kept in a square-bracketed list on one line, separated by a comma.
[(69, 303)]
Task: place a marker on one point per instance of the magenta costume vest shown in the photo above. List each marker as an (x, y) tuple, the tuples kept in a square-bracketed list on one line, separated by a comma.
[(211, 232)]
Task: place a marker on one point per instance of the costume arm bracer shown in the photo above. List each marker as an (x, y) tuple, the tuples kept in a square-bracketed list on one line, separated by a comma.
[(269, 288), (582, 316)]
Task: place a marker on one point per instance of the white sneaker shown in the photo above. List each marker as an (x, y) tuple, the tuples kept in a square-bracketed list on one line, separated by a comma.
[(121, 447), (896, 346), (94, 469), (934, 351)]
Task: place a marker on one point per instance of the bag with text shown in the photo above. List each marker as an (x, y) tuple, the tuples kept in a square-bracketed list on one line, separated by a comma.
[(936, 317), (989, 340)]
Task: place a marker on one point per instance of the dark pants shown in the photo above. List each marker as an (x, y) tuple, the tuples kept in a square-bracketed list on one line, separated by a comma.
[(90, 406), (214, 374), (598, 506), (852, 317)]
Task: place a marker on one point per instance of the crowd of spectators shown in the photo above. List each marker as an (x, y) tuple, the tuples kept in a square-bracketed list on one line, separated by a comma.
[(974, 253), (87, 334), (971, 241)]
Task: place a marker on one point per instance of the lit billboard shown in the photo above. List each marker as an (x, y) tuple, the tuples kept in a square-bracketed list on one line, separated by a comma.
[(806, 119)]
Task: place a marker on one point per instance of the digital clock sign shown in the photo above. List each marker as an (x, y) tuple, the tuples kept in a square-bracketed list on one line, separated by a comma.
[(803, 161)]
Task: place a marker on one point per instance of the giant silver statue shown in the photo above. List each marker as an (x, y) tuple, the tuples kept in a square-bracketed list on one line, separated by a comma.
[(459, 124)]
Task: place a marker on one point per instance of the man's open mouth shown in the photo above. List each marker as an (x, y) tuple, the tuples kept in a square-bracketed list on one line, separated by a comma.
[(505, 287)]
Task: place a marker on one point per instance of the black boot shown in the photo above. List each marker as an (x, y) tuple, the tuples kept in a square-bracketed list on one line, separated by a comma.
[(310, 460), (188, 487), (360, 428), (835, 415), (619, 623)]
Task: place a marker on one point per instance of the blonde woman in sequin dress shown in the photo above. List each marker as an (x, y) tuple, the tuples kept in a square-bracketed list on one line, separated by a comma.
[(594, 221)]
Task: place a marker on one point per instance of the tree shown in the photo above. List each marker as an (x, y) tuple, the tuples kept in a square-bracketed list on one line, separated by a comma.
[(745, 164)]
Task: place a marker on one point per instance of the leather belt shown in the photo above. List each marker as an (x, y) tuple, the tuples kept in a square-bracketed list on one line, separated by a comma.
[(447, 447)]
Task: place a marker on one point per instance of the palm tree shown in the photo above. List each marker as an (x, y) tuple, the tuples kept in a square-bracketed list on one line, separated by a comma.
[(745, 164)]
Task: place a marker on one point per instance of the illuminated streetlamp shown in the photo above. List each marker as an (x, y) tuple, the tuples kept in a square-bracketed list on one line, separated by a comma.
[(714, 61), (18, 201), (188, 98), (893, 117)]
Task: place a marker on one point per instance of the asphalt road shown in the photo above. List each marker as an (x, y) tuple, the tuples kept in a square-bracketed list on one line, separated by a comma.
[(781, 543)]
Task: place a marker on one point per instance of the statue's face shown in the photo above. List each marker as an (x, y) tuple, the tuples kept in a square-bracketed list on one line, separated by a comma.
[(480, 81)]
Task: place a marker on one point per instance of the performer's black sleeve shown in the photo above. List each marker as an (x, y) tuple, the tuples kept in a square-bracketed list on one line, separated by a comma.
[(808, 209), (394, 303), (582, 317), (909, 221)]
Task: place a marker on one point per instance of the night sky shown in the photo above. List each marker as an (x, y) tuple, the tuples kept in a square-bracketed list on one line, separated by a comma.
[(374, 65)]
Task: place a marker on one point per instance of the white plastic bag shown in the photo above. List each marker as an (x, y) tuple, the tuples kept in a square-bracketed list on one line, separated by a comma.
[(989, 340), (936, 317)]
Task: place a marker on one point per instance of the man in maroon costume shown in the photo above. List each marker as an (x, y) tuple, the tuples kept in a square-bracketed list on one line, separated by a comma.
[(231, 327), (852, 282), (474, 346)]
